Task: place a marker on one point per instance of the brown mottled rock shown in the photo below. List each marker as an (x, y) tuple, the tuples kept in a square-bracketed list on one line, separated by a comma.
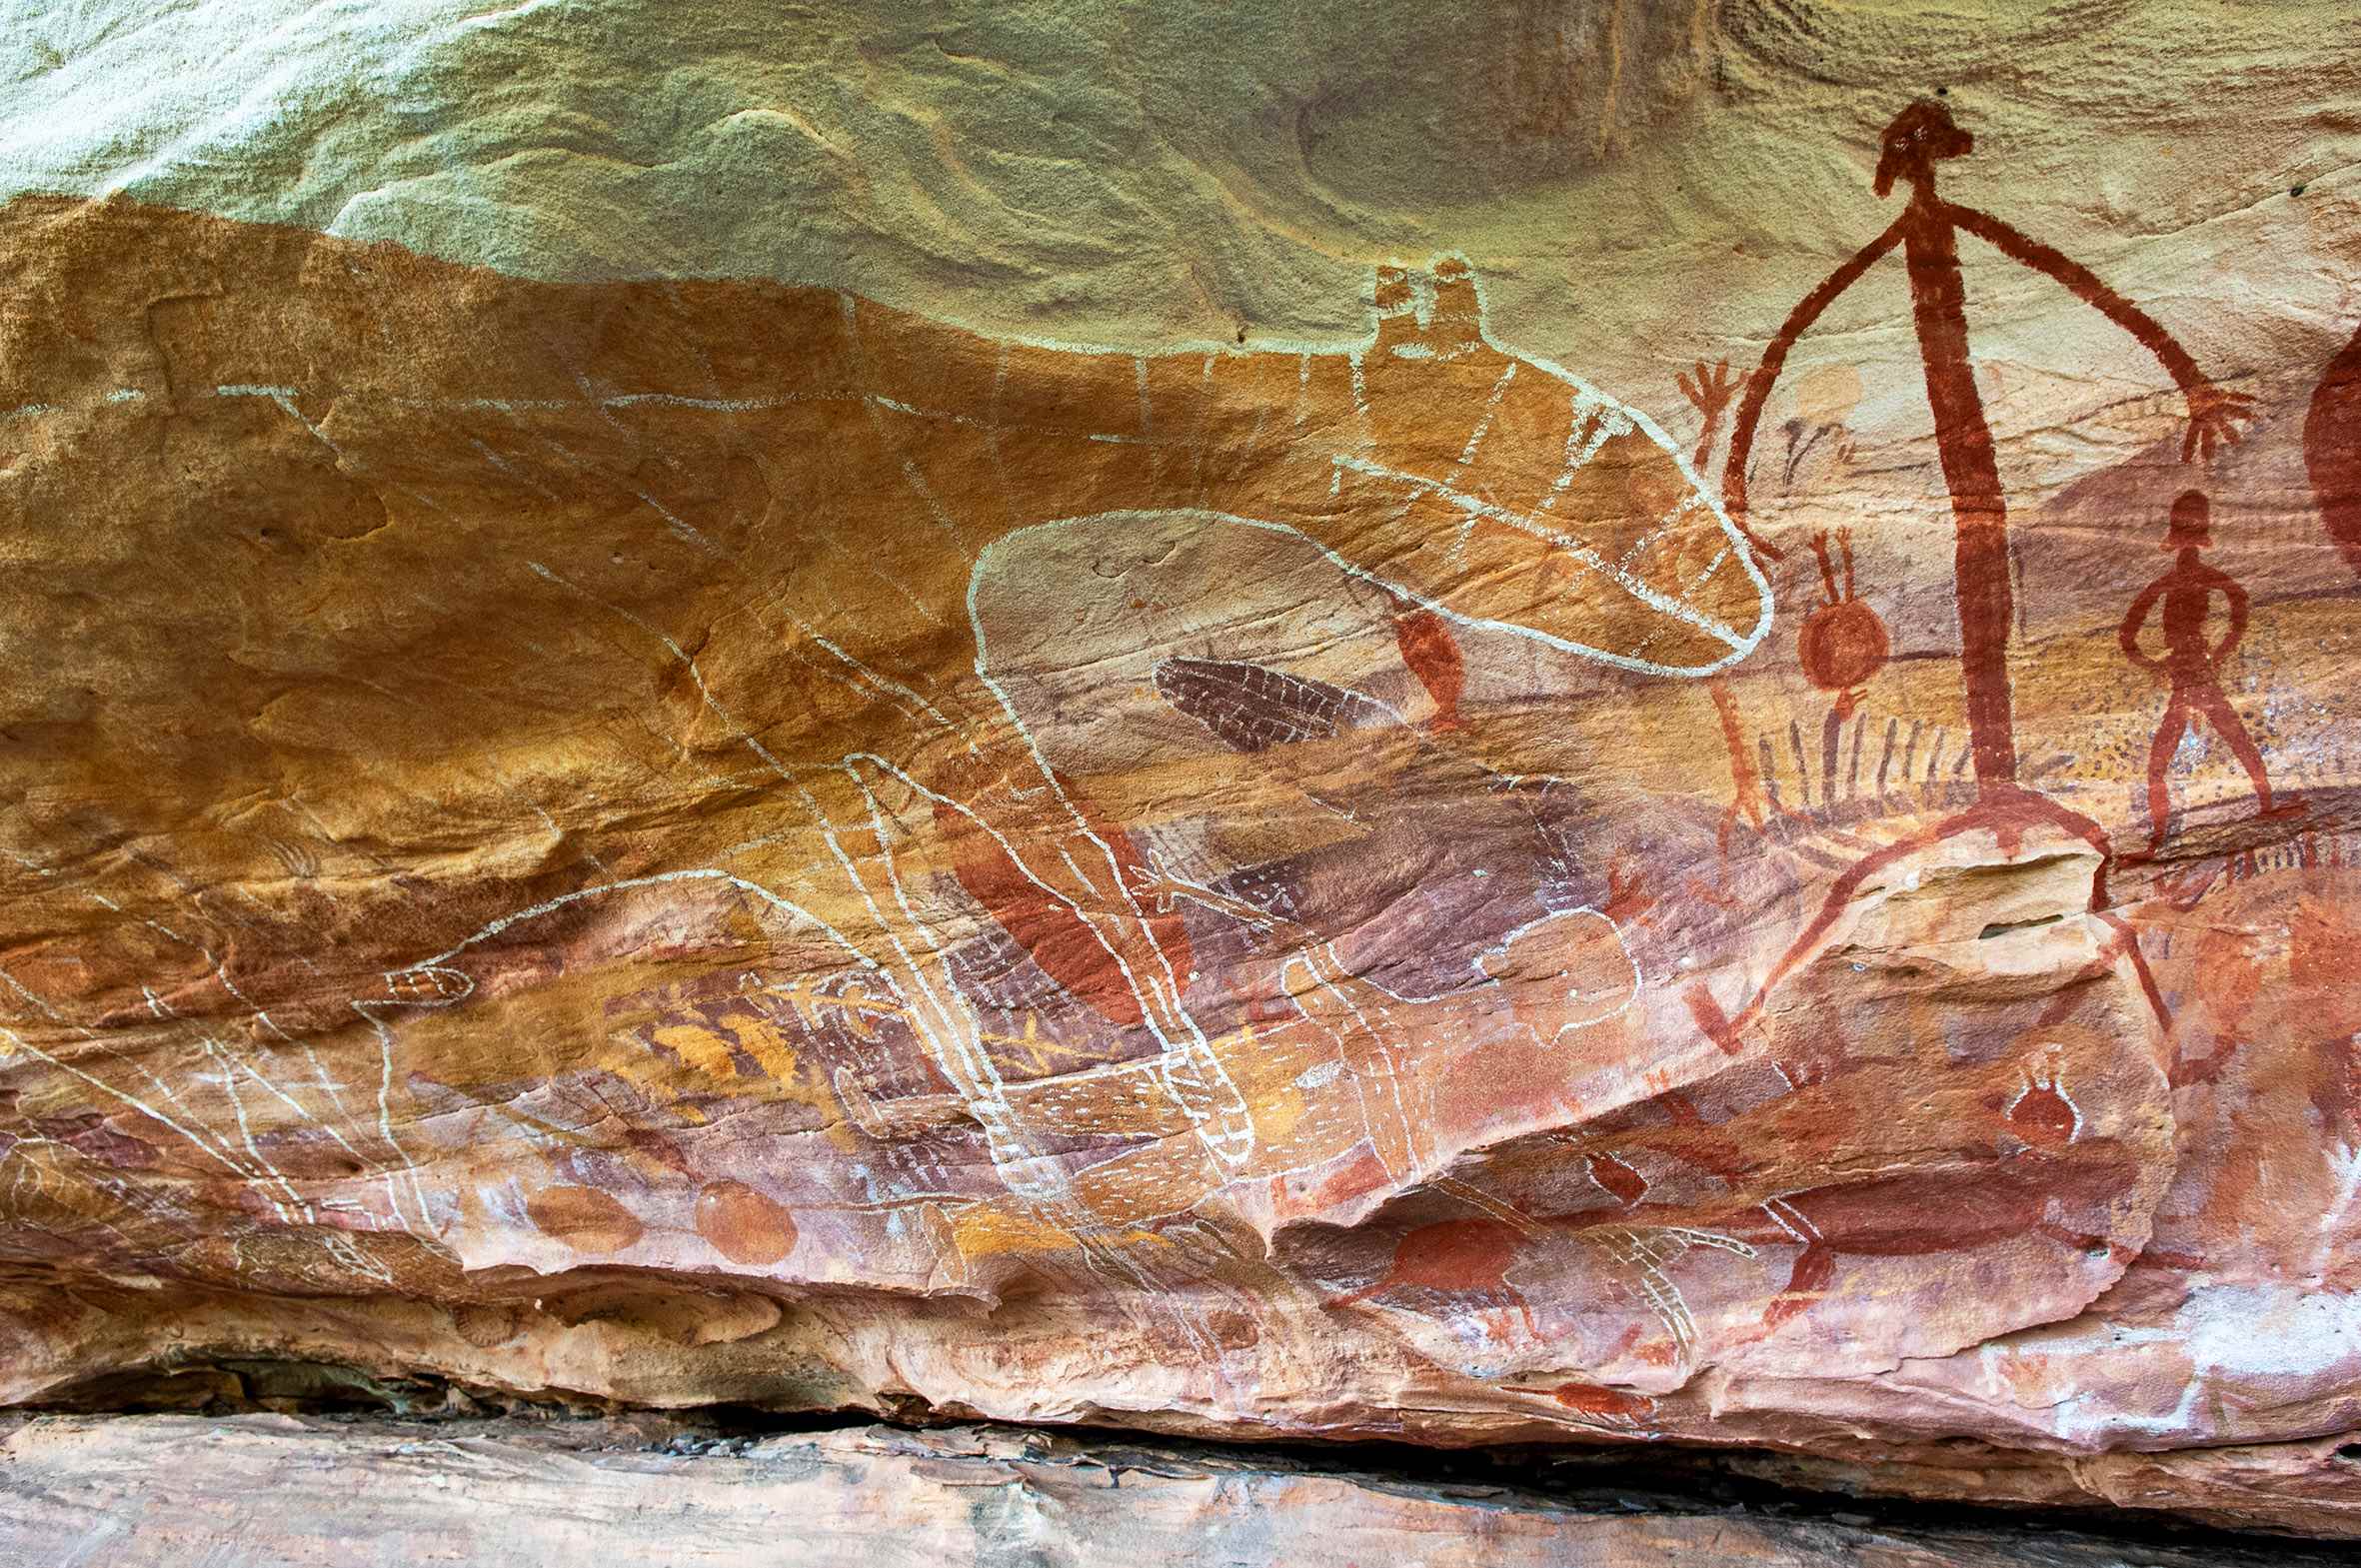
[(596, 810)]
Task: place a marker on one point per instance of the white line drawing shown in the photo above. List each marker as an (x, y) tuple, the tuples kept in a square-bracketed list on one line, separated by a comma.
[(1048, 833)]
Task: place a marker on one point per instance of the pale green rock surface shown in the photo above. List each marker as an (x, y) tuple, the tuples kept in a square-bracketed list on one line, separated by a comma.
[(1643, 183)]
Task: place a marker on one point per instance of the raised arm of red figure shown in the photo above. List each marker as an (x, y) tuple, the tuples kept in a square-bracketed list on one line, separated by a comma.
[(1774, 360), (1710, 394), (2214, 412)]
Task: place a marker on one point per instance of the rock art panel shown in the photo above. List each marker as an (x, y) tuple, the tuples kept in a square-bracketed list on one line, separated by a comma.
[(686, 834)]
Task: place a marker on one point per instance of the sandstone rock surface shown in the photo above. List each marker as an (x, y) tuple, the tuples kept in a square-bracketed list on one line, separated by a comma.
[(154, 1490), (892, 717)]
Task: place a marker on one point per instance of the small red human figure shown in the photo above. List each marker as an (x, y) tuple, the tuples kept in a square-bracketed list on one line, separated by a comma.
[(1929, 232), (2190, 662), (1843, 643)]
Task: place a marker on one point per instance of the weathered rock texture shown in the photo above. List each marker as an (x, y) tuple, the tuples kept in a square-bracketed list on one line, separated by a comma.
[(623, 781), (164, 1491), (167, 1490)]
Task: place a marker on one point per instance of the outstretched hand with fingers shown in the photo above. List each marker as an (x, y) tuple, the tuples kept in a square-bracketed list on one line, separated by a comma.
[(1709, 388), (2215, 415)]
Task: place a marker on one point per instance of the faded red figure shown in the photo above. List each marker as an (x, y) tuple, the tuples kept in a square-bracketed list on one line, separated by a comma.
[(2190, 662), (1920, 137), (2332, 449), (1709, 390)]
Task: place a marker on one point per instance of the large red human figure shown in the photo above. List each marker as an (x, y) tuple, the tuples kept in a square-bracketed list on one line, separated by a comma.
[(1928, 232)]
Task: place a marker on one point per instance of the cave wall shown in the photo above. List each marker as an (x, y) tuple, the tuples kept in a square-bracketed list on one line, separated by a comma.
[(1528, 724)]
